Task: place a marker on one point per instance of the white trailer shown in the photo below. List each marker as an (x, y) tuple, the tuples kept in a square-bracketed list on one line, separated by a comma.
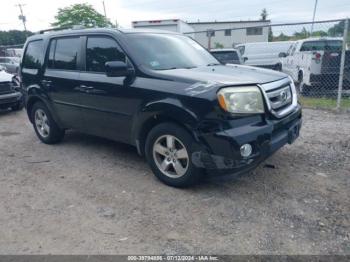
[(174, 25)]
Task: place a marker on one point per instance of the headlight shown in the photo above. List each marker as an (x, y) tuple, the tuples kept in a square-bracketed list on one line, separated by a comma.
[(241, 100)]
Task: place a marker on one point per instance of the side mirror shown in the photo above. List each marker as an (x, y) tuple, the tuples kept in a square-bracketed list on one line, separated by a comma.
[(282, 54), (245, 59), (117, 68)]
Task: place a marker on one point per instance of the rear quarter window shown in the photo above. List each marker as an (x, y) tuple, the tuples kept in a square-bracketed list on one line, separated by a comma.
[(32, 58), (64, 53)]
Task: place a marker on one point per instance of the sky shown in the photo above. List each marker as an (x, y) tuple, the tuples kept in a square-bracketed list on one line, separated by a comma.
[(41, 13)]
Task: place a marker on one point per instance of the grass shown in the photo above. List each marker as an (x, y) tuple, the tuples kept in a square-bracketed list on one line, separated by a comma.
[(327, 103)]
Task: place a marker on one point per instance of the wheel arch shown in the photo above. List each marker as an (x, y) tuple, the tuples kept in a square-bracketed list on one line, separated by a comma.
[(33, 99), (159, 112)]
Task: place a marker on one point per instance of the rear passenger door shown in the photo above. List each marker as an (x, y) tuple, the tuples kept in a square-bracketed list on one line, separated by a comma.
[(107, 102), (61, 79)]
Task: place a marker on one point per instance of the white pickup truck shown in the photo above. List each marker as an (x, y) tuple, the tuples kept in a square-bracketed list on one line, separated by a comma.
[(314, 63)]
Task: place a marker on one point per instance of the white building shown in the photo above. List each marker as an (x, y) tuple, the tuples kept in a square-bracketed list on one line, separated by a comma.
[(175, 25), (246, 32), (251, 31)]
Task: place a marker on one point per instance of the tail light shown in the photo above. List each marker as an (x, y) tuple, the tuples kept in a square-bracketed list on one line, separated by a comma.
[(317, 56)]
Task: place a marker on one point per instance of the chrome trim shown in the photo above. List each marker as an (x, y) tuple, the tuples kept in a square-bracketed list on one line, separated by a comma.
[(279, 85), (11, 95)]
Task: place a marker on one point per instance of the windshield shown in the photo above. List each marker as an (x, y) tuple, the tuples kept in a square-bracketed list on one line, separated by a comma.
[(163, 51)]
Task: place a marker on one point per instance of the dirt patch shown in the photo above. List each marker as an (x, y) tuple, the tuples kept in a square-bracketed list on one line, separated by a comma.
[(91, 196)]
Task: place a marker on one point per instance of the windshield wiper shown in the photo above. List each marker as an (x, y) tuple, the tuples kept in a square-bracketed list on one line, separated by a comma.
[(213, 64)]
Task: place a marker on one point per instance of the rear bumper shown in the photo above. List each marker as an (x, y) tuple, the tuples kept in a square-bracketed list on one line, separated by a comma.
[(10, 99), (224, 157)]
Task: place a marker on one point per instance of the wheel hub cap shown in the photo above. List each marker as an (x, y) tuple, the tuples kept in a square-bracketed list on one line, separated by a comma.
[(171, 156)]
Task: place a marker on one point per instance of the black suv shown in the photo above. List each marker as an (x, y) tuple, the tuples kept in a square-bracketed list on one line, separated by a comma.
[(161, 92)]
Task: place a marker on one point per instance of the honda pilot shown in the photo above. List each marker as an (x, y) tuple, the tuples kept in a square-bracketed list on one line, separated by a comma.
[(163, 93)]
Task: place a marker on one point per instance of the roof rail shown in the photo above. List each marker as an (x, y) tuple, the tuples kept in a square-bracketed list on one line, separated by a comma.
[(74, 27)]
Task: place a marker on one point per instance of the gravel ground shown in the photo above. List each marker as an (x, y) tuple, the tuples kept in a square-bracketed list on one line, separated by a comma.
[(89, 195)]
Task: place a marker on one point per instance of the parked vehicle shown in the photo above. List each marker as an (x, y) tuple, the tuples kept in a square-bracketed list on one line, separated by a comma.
[(11, 64), (14, 52), (10, 95), (264, 54), (227, 56), (315, 63), (161, 92)]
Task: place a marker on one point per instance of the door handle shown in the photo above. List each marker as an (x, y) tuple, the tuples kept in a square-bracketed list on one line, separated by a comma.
[(46, 82), (86, 87)]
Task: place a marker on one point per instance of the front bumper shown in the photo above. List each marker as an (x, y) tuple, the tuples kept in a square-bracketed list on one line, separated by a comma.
[(7, 100), (266, 137)]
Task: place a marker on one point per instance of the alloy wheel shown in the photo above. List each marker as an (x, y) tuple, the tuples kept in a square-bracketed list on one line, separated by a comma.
[(170, 156)]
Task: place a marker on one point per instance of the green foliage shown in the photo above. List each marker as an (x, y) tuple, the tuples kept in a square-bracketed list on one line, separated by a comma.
[(13, 37), (301, 35), (80, 14), (263, 15), (281, 37), (338, 30), (218, 45)]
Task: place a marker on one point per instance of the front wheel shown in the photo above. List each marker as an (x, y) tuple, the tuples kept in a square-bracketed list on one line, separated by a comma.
[(169, 150), (45, 127)]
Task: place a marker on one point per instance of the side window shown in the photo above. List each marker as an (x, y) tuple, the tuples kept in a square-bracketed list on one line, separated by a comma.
[(254, 31), (33, 54), (100, 50), (64, 53)]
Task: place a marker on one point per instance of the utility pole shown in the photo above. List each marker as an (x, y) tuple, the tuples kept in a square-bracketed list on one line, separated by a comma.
[(104, 8), (313, 17), (22, 17)]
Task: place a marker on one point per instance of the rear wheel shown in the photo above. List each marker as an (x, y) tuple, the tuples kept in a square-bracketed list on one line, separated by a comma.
[(303, 88), (45, 127), (169, 150)]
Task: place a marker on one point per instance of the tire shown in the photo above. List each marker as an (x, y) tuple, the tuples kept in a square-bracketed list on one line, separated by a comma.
[(51, 134), (158, 140)]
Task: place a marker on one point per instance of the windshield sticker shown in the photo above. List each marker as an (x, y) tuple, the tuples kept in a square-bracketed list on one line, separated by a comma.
[(154, 63)]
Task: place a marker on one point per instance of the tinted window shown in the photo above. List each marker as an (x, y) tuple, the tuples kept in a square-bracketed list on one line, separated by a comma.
[(32, 56), (241, 49), (254, 31), (228, 32), (226, 56), (64, 53), (100, 50), (321, 46)]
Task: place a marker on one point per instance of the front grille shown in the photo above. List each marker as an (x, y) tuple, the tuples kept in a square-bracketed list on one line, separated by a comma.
[(280, 97), (5, 88)]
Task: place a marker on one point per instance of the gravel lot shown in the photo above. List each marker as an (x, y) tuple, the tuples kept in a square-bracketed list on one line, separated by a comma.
[(89, 195)]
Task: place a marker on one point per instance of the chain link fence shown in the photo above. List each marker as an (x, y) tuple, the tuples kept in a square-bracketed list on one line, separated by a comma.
[(315, 54)]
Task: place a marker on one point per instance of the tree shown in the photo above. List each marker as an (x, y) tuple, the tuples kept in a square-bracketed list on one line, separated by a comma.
[(302, 34), (80, 14), (263, 15), (338, 30), (218, 45), (13, 37)]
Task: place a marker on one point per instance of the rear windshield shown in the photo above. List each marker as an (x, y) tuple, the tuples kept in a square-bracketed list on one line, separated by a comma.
[(226, 56), (332, 45)]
